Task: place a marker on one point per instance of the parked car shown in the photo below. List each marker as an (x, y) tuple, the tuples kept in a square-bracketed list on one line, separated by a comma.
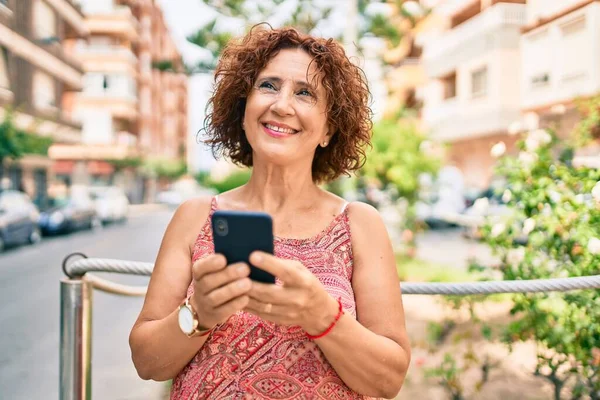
[(182, 190), (72, 213), (111, 202), (19, 219), (442, 198)]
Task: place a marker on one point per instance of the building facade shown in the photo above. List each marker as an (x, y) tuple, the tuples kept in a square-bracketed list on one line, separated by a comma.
[(492, 63), (560, 58), (133, 105), (39, 78), (473, 91)]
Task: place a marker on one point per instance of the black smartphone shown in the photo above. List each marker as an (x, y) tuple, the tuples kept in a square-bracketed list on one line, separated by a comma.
[(236, 234)]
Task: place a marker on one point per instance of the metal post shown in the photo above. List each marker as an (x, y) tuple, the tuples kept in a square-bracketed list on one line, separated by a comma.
[(75, 340)]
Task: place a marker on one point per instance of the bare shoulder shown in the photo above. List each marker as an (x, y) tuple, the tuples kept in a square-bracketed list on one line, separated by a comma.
[(370, 238), (365, 220), (189, 218), (197, 206)]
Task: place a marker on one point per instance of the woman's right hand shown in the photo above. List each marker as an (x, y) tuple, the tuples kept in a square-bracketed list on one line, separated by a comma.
[(220, 290)]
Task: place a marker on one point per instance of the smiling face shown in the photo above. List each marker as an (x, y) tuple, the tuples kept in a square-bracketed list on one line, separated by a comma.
[(285, 117)]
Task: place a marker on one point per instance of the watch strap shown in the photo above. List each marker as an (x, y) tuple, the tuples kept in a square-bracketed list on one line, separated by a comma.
[(198, 329)]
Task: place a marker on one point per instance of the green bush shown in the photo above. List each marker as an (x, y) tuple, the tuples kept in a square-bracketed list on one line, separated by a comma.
[(232, 181), (553, 231)]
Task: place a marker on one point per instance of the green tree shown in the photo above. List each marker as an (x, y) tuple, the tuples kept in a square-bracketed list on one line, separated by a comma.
[(15, 143), (305, 16), (163, 168), (394, 164)]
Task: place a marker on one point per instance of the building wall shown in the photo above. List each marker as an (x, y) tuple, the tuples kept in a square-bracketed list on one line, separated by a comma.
[(561, 59), (540, 9), (472, 156), (40, 73)]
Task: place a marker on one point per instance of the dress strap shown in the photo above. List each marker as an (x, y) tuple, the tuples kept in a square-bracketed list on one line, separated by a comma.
[(214, 204), (344, 207)]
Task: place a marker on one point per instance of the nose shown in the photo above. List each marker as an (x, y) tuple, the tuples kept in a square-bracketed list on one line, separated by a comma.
[(282, 105)]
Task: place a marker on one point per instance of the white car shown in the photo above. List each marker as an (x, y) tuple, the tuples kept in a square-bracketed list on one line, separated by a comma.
[(112, 204), (442, 198)]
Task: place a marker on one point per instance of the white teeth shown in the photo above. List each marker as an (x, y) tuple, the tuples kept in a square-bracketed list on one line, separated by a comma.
[(278, 129)]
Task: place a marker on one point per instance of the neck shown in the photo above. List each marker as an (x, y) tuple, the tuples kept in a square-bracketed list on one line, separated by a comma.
[(275, 189)]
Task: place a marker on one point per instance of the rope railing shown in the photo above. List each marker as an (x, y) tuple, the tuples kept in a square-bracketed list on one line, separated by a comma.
[(76, 307), (80, 268)]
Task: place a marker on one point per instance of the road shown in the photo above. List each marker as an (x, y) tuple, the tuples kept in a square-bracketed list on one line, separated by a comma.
[(29, 313), (29, 307)]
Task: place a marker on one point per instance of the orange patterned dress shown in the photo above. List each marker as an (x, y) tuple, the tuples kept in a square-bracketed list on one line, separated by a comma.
[(250, 358)]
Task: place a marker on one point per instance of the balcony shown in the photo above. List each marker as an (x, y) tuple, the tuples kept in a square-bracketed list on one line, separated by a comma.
[(6, 14), (71, 14), (91, 152), (408, 74), (47, 58), (108, 59), (451, 120), (561, 59), (494, 28), (56, 127), (121, 106), (118, 21), (542, 11)]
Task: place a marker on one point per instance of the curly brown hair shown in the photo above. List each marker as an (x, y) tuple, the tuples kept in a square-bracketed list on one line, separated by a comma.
[(345, 84)]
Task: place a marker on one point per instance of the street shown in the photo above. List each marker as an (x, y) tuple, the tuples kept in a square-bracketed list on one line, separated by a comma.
[(29, 312)]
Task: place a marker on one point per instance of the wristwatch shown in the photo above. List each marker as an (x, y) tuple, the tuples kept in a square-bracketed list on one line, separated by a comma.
[(188, 321)]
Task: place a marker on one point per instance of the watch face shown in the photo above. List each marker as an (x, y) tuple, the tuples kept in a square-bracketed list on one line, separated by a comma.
[(186, 320)]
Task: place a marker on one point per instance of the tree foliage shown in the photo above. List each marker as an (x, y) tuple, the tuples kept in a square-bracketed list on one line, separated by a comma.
[(552, 230), (304, 15), (396, 159), (15, 142)]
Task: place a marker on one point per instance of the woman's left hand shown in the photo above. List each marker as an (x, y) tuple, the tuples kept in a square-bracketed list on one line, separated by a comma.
[(301, 299)]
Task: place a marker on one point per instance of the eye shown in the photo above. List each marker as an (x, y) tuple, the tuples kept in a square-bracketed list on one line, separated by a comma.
[(266, 85), (305, 92)]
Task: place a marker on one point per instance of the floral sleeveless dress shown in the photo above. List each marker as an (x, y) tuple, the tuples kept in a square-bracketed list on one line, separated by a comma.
[(250, 358)]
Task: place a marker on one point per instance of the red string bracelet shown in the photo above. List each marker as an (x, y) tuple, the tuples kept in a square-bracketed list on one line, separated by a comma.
[(326, 331)]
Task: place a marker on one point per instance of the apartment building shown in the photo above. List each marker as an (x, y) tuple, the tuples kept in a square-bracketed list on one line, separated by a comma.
[(560, 59), (39, 77), (473, 88), (134, 99)]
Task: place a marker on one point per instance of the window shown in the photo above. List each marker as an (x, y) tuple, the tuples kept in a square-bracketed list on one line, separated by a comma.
[(538, 52), (479, 82), (4, 75), (44, 21), (575, 56), (449, 84), (44, 92), (540, 80)]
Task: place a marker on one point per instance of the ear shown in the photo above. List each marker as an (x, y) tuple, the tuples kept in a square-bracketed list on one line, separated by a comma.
[(331, 130)]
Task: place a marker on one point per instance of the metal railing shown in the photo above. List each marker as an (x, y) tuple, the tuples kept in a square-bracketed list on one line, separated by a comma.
[(76, 308)]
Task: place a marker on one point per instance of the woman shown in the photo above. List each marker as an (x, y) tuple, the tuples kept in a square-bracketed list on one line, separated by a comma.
[(295, 109)]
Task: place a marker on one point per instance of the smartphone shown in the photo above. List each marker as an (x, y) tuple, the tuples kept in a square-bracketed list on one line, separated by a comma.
[(236, 234)]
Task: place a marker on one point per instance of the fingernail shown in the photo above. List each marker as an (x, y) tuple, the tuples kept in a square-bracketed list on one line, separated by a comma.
[(257, 257), (241, 269)]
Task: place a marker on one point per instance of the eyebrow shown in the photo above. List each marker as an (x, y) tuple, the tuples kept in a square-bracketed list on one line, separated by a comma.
[(279, 80)]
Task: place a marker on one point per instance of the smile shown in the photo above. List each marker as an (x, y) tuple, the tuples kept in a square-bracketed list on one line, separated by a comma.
[(278, 131)]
